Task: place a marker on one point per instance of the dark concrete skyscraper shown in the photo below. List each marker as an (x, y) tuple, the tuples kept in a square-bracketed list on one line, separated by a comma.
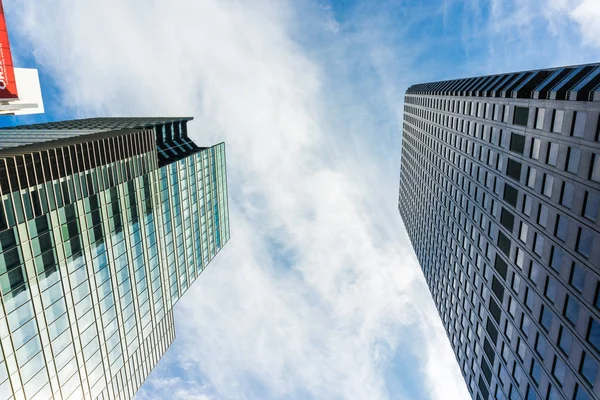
[(500, 195), (104, 224)]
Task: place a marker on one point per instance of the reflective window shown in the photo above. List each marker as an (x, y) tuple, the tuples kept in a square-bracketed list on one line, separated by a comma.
[(571, 310), (565, 339), (553, 394), (566, 195), (557, 121), (523, 232), (539, 120), (552, 155), (529, 298), (577, 279), (535, 148), (585, 239), (538, 244), (573, 156), (542, 218), (548, 185), (541, 344), (562, 227), (581, 394), (536, 371), (550, 289), (595, 168), (578, 127), (527, 204), (531, 173), (546, 318), (559, 370), (589, 368), (591, 206), (594, 333)]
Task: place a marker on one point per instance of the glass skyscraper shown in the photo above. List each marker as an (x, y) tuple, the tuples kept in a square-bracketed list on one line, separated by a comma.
[(104, 224), (500, 196)]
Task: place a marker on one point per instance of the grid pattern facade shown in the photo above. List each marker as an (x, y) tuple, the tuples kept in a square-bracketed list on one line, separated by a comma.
[(500, 196), (96, 249)]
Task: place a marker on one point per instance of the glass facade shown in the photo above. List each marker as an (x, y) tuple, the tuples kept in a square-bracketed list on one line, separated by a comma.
[(95, 249), (500, 196)]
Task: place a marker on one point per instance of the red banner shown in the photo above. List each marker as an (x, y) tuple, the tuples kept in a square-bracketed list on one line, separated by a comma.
[(8, 84)]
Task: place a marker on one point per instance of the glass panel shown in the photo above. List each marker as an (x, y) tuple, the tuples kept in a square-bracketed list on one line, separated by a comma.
[(558, 121), (539, 122)]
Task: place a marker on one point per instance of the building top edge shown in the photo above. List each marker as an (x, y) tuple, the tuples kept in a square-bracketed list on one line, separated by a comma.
[(574, 82)]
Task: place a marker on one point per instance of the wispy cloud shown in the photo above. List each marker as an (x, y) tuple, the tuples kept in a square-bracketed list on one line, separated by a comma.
[(587, 15), (318, 290), (321, 316)]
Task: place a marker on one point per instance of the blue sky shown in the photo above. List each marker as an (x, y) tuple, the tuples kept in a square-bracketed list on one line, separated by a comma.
[(318, 294)]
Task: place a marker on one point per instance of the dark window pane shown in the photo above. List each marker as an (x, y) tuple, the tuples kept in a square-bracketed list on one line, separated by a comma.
[(507, 219), (495, 310), (517, 143), (521, 116), (11, 259), (513, 169), (510, 194), (7, 239), (498, 289), (500, 266), (15, 277), (504, 243)]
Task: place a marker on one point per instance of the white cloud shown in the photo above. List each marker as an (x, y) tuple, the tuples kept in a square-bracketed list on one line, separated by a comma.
[(584, 14), (318, 287), (513, 35), (587, 15), (251, 326)]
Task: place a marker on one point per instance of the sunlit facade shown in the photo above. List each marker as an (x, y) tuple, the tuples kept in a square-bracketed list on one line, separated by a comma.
[(104, 224), (500, 196)]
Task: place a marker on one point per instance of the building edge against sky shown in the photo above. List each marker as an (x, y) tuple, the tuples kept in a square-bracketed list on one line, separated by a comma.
[(104, 224), (500, 196)]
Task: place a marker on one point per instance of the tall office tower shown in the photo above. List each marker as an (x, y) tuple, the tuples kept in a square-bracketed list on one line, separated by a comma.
[(500, 195), (104, 224)]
